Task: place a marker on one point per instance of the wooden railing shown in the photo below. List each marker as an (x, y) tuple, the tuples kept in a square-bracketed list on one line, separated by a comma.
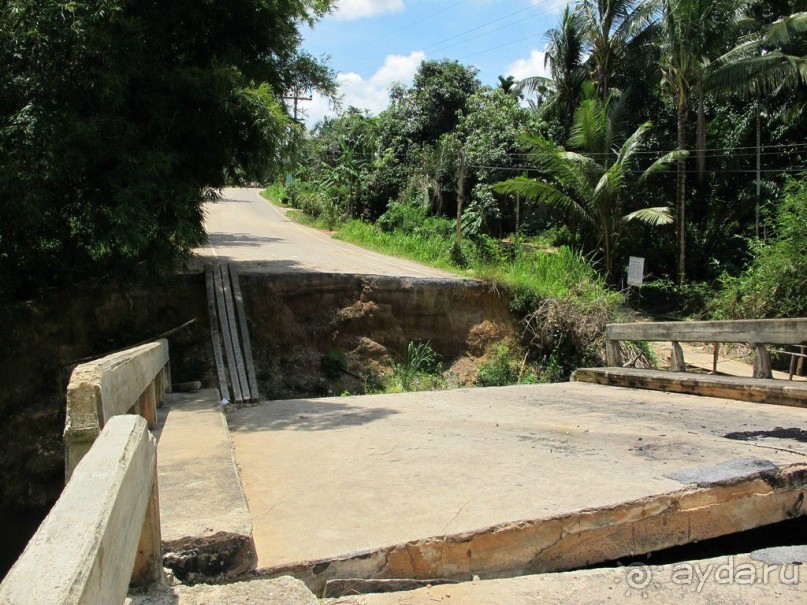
[(756, 333), (102, 533), (130, 381)]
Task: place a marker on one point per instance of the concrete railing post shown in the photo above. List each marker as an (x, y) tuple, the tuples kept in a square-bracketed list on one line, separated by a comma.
[(677, 362), (762, 362)]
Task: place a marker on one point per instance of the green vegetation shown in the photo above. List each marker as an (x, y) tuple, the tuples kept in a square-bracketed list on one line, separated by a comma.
[(504, 367), (118, 119), (775, 283), (666, 130), (421, 370)]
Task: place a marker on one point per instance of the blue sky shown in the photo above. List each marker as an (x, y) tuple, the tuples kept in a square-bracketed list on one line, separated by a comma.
[(374, 43)]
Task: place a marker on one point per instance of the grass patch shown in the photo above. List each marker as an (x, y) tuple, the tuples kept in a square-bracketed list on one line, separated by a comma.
[(276, 193)]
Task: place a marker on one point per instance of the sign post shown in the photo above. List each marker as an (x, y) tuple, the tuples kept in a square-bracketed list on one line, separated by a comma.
[(636, 276)]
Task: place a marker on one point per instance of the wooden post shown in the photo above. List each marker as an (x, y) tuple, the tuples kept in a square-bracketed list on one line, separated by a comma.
[(148, 567), (147, 405), (460, 193), (677, 363), (715, 356), (762, 362), (613, 354)]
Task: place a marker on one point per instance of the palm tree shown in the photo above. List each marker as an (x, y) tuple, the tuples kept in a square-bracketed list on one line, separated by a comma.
[(689, 29), (610, 26), (592, 183), (508, 85), (564, 57), (761, 65), (761, 62)]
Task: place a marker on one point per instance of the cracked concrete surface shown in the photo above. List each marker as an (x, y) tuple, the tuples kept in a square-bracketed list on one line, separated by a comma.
[(499, 481)]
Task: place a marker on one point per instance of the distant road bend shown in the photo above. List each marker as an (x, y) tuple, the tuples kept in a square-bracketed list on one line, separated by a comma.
[(244, 227)]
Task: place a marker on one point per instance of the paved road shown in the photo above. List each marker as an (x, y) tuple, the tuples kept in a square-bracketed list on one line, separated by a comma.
[(245, 228)]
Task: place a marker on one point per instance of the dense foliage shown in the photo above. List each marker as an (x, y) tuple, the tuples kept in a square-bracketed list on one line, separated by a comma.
[(708, 96), (117, 118)]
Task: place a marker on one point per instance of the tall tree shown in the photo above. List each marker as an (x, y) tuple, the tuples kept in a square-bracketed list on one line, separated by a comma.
[(564, 57), (688, 29), (610, 26), (118, 116)]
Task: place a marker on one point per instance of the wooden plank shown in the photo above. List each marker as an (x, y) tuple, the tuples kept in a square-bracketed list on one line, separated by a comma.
[(241, 369), (225, 332), (245, 340), (777, 392), (224, 391), (763, 331)]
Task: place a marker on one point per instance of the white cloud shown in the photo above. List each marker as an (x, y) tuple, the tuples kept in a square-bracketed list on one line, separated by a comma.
[(371, 93), (531, 66), (358, 9)]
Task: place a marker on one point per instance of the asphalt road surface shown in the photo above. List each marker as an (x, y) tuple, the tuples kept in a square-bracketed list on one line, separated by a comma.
[(243, 227)]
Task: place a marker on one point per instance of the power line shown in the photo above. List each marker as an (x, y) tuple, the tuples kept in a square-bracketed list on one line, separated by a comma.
[(637, 171), (539, 9), (765, 150), (417, 21)]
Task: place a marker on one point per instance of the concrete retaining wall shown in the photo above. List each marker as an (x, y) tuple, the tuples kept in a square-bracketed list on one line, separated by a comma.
[(86, 549)]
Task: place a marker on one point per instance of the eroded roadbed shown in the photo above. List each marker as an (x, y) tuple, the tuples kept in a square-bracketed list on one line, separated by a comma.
[(506, 481)]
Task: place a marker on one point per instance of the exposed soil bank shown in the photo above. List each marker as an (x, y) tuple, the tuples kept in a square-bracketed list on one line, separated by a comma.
[(297, 319)]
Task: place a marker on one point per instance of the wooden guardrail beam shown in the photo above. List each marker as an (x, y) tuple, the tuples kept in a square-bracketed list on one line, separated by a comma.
[(102, 533), (761, 331), (756, 333)]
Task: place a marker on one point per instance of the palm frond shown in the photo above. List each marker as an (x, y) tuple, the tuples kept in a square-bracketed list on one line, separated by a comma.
[(663, 162), (661, 215), (538, 191)]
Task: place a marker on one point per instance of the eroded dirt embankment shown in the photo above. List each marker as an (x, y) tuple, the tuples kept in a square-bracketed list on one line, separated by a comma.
[(296, 320)]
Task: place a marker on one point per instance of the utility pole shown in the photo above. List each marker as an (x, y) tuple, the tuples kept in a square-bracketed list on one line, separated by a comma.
[(460, 193), (295, 96), (759, 166)]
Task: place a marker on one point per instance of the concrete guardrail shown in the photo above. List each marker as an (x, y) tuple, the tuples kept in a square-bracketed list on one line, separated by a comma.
[(130, 381), (102, 533), (757, 333)]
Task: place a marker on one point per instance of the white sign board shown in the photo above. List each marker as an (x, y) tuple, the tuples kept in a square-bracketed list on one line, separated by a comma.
[(635, 271)]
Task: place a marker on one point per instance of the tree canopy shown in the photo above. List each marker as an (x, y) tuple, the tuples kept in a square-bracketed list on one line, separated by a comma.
[(118, 118)]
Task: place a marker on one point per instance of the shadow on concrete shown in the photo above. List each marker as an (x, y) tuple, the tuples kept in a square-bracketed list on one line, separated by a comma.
[(235, 240), (305, 415)]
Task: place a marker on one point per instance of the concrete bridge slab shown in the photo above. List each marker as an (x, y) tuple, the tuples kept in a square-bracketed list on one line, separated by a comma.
[(507, 481), (206, 526)]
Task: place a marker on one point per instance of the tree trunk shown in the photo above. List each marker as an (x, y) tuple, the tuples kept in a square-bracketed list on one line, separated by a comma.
[(680, 202), (701, 137), (518, 217), (460, 194)]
